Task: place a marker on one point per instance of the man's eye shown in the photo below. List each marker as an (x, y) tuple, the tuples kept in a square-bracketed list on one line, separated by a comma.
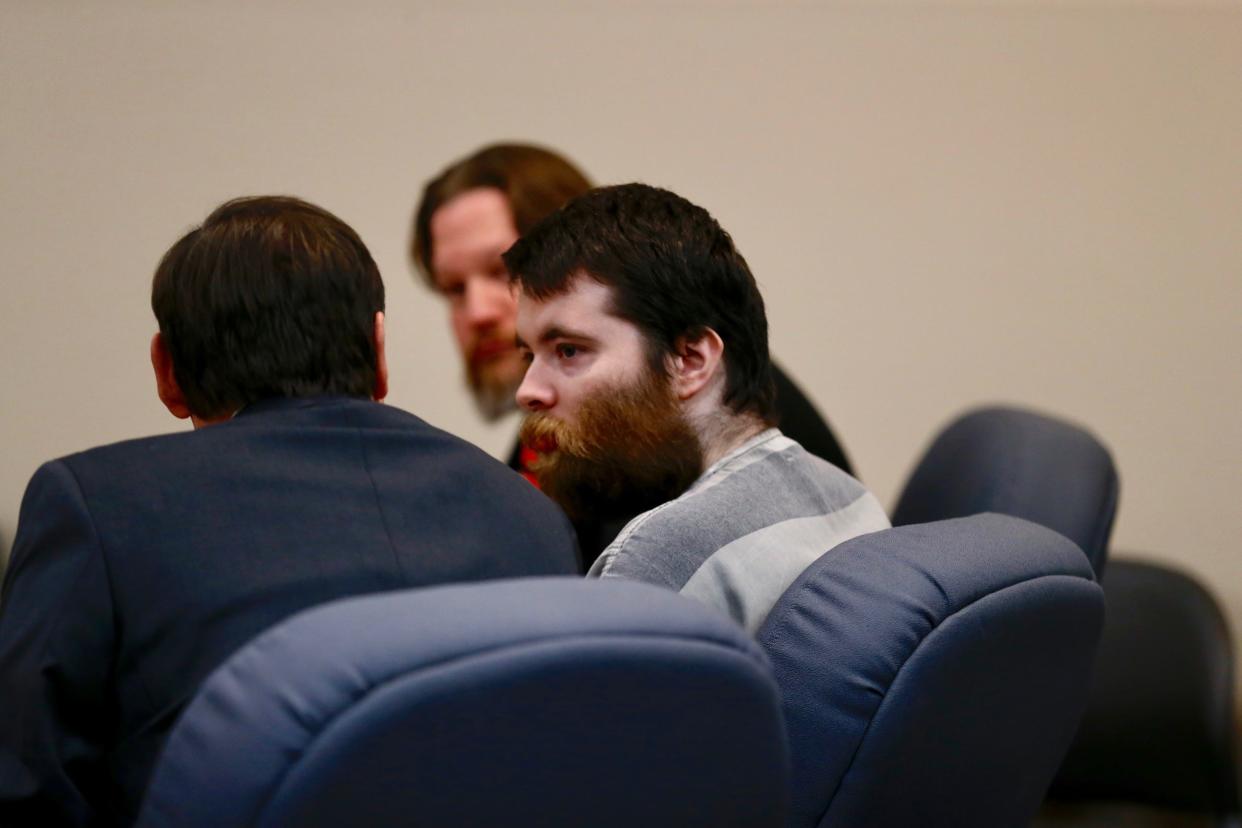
[(566, 351)]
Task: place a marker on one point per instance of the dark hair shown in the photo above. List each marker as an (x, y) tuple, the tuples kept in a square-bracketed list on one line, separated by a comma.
[(271, 296), (535, 181), (673, 271)]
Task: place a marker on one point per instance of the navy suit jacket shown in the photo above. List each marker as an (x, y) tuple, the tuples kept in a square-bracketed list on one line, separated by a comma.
[(139, 567)]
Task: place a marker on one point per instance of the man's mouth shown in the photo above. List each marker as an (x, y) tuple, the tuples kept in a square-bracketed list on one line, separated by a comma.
[(543, 443), (539, 434)]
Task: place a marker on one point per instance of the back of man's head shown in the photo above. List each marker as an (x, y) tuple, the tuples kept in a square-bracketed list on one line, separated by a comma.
[(535, 181), (673, 271), (271, 296)]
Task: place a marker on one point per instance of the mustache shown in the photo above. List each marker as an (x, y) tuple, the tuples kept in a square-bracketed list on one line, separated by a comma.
[(547, 436)]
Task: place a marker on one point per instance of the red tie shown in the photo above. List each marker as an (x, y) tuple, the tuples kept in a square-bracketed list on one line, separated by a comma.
[(526, 457)]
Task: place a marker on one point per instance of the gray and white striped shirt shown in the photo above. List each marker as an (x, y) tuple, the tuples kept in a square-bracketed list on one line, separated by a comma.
[(744, 531)]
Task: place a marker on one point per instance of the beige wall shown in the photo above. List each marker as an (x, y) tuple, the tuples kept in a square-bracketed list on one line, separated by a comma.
[(946, 204)]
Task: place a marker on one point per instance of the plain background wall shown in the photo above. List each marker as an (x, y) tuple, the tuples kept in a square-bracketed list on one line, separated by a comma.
[(945, 204)]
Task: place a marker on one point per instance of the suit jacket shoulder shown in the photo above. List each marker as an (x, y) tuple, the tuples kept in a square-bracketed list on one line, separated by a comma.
[(140, 566)]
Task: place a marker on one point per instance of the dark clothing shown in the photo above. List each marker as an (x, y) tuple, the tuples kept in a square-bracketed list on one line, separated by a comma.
[(797, 420), (139, 567)]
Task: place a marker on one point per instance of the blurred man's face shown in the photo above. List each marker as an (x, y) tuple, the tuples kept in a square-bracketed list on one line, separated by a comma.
[(468, 235), (610, 433)]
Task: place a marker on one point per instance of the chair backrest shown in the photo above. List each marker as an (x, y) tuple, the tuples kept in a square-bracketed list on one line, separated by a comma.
[(549, 701), (934, 674), (1159, 728), (1018, 463)]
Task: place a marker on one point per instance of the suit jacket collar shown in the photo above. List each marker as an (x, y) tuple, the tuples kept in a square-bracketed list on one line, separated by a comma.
[(276, 404)]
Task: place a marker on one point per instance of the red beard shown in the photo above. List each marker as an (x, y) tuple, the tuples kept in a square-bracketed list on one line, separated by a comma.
[(631, 450)]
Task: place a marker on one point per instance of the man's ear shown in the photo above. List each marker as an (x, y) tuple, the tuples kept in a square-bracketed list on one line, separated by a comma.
[(381, 361), (165, 380), (696, 361)]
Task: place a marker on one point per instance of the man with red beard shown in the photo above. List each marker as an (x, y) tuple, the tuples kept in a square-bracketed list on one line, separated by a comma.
[(649, 387), (469, 214)]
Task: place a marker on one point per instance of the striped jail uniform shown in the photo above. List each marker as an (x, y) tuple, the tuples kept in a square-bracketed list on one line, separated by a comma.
[(744, 531)]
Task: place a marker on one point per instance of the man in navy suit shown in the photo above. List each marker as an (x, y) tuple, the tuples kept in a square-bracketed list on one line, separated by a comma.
[(140, 566)]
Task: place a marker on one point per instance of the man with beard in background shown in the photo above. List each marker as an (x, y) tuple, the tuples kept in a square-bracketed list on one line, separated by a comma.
[(468, 216), (649, 389)]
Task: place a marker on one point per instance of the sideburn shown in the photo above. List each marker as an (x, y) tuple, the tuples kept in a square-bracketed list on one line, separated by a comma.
[(631, 450)]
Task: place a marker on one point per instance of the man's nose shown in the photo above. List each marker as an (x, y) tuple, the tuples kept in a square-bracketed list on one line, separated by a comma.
[(489, 302), (535, 393)]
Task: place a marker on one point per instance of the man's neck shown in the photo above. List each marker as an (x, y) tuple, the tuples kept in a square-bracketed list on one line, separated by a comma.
[(724, 433)]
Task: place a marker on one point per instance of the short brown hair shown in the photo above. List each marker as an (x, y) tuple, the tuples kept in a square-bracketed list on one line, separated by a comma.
[(535, 181), (271, 296), (673, 271)]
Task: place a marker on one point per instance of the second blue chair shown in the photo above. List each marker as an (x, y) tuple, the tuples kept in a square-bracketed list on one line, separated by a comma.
[(1020, 463), (933, 675)]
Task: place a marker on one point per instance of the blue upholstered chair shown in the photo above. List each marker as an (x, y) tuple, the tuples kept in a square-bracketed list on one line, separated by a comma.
[(933, 675), (1159, 734), (1017, 463), (547, 702)]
